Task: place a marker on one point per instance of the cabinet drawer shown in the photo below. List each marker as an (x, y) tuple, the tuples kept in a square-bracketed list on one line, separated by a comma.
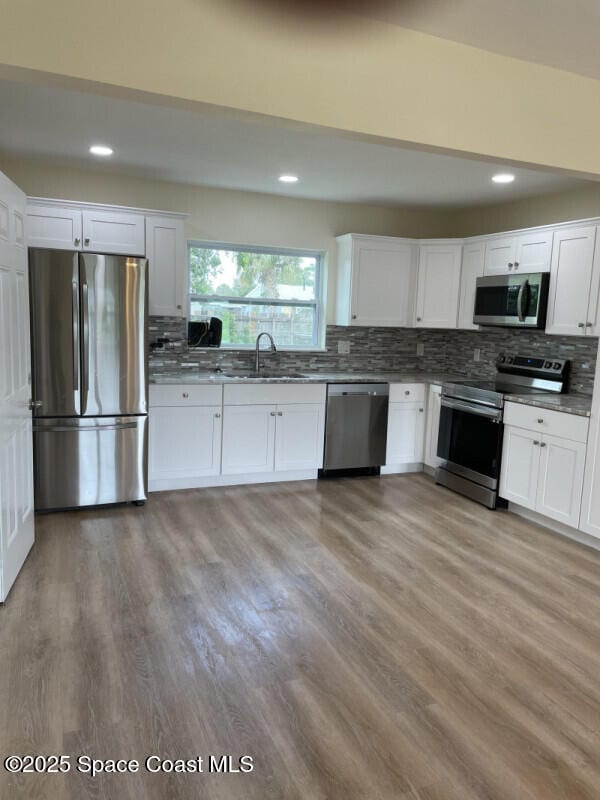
[(407, 392), (556, 423), (273, 393), (186, 395)]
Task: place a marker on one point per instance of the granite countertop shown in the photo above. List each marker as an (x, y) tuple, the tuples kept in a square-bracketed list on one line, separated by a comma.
[(212, 377), (579, 404)]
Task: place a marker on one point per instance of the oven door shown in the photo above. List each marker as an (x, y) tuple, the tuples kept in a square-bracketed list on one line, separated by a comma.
[(512, 300), (470, 441)]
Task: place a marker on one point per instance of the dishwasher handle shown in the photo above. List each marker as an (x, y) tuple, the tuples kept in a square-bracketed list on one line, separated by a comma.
[(358, 389)]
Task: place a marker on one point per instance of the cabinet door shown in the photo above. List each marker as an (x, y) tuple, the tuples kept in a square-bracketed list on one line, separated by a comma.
[(472, 268), (570, 280), (520, 466), (119, 232), (592, 325), (434, 407), (406, 428), (499, 254), (53, 227), (184, 442), (248, 439), (590, 507), (382, 283), (534, 251), (438, 286), (165, 249), (299, 436), (560, 482)]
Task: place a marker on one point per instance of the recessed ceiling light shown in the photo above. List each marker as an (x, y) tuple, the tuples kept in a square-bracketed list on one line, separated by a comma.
[(101, 150), (503, 177), (288, 178)]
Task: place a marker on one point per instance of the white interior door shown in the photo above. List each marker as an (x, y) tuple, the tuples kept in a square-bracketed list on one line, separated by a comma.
[(16, 444)]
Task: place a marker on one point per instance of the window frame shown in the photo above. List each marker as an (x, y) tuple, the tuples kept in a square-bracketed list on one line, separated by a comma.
[(317, 303)]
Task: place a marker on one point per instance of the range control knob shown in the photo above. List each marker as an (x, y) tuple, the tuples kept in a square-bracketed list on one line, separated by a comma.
[(501, 359), (557, 365), (547, 364), (509, 359)]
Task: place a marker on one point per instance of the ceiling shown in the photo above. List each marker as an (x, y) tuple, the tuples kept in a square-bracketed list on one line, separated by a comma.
[(218, 148), (559, 33)]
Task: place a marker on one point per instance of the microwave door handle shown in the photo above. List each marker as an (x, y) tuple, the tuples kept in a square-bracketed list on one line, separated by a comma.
[(478, 411), (522, 289)]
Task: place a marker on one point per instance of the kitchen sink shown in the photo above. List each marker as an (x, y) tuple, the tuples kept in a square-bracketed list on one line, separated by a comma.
[(250, 373)]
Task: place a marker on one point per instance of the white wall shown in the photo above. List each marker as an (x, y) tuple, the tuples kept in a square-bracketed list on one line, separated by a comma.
[(230, 216)]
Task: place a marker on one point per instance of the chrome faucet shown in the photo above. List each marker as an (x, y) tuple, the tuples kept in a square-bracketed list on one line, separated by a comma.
[(273, 348)]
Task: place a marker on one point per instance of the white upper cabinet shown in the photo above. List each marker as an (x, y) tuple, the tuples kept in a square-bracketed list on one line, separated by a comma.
[(573, 296), (54, 227), (524, 252), (438, 285), (472, 268), (165, 249), (120, 232), (375, 281)]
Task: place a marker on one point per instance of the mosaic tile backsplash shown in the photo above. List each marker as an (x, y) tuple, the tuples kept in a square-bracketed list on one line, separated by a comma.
[(387, 350)]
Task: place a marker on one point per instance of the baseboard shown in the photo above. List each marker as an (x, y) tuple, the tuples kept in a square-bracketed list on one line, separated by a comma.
[(398, 469), (556, 527), (169, 484)]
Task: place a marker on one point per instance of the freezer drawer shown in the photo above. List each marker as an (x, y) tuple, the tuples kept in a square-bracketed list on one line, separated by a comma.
[(87, 462)]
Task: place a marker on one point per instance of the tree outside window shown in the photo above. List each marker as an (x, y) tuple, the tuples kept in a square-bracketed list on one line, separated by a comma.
[(256, 290)]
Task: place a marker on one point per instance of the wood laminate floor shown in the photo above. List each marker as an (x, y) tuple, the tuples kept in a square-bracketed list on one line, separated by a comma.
[(364, 639)]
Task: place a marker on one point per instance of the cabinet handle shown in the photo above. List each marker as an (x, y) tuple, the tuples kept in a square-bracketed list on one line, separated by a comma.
[(540, 421), (542, 444), (407, 391), (77, 241), (217, 415), (179, 307), (418, 319), (588, 324), (580, 325), (353, 316), (185, 395), (516, 264), (420, 411), (280, 413), (272, 413), (535, 441), (510, 264), (86, 242)]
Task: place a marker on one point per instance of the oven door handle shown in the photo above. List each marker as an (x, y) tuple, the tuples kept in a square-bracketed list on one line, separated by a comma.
[(520, 312), (480, 411)]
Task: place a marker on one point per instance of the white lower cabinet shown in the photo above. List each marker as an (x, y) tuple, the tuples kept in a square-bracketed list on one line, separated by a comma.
[(184, 435), (299, 437), (184, 442), (272, 429), (406, 425), (406, 430), (432, 428), (542, 471), (248, 439), (560, 481)]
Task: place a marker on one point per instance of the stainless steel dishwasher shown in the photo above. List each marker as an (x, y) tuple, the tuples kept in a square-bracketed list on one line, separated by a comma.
[(356, 425)]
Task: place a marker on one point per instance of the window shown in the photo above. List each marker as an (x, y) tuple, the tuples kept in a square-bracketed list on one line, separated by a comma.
[(254, 290)]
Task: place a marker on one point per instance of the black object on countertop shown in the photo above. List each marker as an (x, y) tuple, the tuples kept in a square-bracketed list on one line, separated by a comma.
[(205, 334)]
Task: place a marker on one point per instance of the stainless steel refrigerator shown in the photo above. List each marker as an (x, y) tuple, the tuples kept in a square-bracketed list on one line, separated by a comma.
[(89, 376)]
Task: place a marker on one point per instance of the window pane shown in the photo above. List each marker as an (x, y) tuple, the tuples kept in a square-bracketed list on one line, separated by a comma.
[(230, 273), (289, 325)]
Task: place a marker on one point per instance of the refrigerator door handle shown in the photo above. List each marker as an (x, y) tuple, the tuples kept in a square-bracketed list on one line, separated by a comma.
[(75, 337), (85, 360), (84, 428)]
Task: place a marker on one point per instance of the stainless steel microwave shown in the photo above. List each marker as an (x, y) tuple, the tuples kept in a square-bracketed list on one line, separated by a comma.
[(518, 301)]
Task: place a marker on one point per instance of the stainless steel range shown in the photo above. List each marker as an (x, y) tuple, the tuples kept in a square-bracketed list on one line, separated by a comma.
[(471, 427)]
